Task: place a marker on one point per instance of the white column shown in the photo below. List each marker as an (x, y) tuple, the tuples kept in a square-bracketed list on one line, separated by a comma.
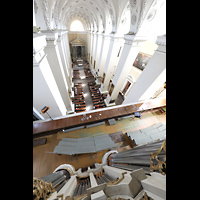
[(103, 54), (129, 52), (68, 55), (88, 45), (94, 49), (63, 56), (45, 90), (68, 50), (99, 46), (54, 59), (65, 65), (91, 48), (114, 46), (34, 21), (153, 75)]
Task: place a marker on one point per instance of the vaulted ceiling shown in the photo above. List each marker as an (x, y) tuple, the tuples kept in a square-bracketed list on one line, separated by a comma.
[(97, 15)]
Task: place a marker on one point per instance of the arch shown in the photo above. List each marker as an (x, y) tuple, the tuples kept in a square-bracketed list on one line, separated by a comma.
[(76, 25), (124, 20)]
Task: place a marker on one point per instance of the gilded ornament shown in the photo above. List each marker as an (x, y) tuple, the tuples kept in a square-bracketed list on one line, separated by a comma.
[(161, 165), (41, 189)]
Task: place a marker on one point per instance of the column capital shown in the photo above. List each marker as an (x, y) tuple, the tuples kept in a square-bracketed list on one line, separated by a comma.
[(51, 37), (161, 42), (129, 39), (116, 37), (105, 36), (134, 40), (61, 35), (99, 34)]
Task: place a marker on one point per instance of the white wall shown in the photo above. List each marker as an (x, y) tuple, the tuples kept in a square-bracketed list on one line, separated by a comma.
[(42, 95)]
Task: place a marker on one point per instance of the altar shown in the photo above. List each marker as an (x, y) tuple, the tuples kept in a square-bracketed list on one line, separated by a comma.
[(78, 49)]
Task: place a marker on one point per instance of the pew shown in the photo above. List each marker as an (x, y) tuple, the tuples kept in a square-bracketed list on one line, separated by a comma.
[(95, 97), (99, 106), (77, 84), (78, 93), (79, 100), (80, 109), (81, 103), (98, 102), (80, 106), (79, 96), (94, 90)]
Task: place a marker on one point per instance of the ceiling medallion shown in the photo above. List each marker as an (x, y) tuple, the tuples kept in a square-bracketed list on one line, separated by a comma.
[(133, 19), (151, 15), (133, 3)]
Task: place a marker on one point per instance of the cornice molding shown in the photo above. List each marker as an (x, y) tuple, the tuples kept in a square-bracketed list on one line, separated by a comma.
[(161, 40)]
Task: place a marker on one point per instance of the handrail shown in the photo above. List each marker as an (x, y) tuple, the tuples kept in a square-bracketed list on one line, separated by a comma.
[(48, 127)]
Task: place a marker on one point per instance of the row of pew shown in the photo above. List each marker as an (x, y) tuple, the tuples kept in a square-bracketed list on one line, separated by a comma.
[(79, 100), (98, 100), (76, 74), (88, 73)]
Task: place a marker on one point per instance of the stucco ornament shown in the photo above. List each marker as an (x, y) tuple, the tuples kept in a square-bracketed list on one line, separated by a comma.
[(45, 13), (133, 3), (133, 19), (151, 15)]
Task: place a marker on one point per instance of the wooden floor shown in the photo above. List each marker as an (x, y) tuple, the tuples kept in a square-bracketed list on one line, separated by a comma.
[(45, 163)]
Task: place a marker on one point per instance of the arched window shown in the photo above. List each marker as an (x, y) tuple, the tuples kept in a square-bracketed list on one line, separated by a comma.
[(76, 25)]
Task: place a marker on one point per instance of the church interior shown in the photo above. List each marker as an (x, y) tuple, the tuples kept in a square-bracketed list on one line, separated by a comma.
[(99, 99)]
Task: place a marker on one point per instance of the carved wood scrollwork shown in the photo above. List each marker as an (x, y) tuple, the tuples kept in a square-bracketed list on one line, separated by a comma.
[(41, 189), (117, 180), (145, 197), (161, 165)]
